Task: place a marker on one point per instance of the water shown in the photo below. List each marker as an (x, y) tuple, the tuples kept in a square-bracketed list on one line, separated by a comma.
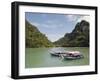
[(40, 57)]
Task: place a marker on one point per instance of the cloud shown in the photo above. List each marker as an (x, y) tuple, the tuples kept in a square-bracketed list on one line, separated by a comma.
[(54, 37), (77, 18), (87, 18), (72, 18), (34, 23), (50, 21), (52, 26), (49, 24), (43, 25)]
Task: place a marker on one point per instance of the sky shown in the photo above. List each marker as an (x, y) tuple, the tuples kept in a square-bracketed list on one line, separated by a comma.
[(54, 26)]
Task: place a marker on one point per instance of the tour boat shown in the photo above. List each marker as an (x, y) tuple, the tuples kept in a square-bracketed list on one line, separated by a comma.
[(68, 55)]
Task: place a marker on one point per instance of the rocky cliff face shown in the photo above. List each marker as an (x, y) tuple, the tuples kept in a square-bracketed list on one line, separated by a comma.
[(78, 37)]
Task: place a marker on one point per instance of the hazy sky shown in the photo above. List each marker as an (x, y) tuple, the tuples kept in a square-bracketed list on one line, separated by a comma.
[(54, 26)]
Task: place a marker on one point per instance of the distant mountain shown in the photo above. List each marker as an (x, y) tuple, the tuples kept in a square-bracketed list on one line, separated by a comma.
[(78, 37), (34, 38)]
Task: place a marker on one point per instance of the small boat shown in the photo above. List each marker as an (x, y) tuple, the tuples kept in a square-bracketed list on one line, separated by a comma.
[(56, 53), (72, 57), (68, 55)]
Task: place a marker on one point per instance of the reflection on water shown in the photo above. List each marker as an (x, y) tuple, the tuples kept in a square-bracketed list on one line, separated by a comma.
[(40, 57)]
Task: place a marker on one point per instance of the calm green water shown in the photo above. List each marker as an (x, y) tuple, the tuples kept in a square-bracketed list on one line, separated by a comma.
[(40, 57)]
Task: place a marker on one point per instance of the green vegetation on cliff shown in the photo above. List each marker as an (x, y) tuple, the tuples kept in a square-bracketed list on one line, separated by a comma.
[(79, 37), (34, 38)]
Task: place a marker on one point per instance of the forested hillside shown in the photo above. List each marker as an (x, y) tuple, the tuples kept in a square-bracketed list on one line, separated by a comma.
[(78, 37), (34, 38)]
